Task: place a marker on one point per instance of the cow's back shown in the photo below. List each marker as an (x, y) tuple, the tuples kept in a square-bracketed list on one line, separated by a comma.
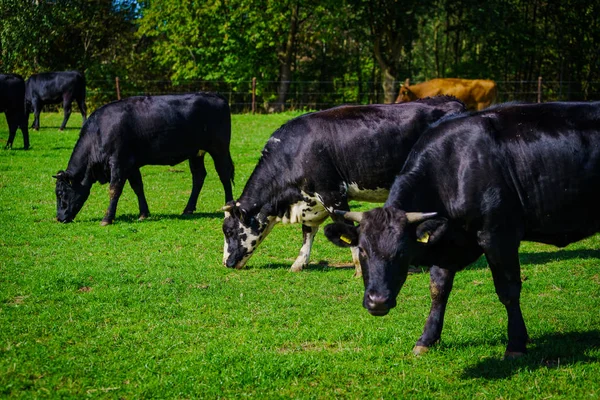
[(537, 163), (477, 94), (12, 92), (162, 129), (365, 146), (50, 86)]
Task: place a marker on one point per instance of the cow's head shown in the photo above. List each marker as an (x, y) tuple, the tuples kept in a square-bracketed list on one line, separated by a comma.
[(70, 196), (243, 233), (389, 240), (405, 94)]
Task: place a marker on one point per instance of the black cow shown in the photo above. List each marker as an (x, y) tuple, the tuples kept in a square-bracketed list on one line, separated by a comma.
[(320, 161), (12, 103), (54, 88), (481, 184), (125, 135)]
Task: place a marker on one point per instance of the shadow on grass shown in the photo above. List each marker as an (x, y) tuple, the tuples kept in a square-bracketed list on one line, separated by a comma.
[(543, 257), (158, 217), (548, 351), (57, 127)]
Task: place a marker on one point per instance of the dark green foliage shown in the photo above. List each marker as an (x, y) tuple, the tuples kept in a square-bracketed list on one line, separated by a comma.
[(306, 53)]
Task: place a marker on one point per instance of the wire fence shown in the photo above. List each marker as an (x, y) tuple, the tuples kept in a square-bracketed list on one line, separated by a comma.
[(318, 95)]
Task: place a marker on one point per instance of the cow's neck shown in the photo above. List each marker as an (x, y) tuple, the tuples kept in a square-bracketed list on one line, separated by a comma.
[(80, 166), (267, 191)]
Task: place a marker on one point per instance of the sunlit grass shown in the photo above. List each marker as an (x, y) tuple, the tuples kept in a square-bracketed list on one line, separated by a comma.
[(145, 309)]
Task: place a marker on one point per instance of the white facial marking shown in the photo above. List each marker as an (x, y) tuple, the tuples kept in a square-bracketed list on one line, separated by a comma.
[(226, 253), (248, 244)]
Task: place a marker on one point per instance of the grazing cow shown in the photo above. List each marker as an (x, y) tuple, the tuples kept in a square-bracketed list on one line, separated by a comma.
[(477, 94), (12, 103), (480, 184), (54, 88), (320, 161), (125, 135)]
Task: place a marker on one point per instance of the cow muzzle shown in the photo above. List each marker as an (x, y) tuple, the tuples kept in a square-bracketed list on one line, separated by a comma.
[(377, 304)]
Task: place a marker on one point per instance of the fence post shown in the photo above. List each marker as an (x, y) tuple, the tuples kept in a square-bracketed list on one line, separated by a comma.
[(118, 88), (539, 89), (253, 95)]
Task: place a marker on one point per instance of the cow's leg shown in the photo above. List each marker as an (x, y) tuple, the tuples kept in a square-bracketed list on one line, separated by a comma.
[(82, 108), (13, 122), (356, 261), (25, 131), (308, 236), (135, 180), (440, 286), (37, 108), (502, 254), (114, 191), (225, 170), (67, 100), (198, 174)]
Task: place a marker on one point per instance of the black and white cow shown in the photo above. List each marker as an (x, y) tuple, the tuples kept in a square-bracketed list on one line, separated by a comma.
[(480, 184), (12, 103), (318, 162), (125, 135), (55, 88)]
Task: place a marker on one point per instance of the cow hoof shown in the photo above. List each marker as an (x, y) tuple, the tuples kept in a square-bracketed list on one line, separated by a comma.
[(296, 267), (420, 350), (143, 217), (512, 355), (105, 223), (187, 212)]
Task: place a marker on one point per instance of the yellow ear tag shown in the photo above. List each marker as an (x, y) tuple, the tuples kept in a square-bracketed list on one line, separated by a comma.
[(345, 239), (424, 238)]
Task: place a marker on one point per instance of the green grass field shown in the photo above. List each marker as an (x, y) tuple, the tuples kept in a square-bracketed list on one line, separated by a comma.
[(146, 309)]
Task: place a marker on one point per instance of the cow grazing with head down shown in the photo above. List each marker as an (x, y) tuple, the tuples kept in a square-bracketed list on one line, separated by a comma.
[(477, 94), (481, 184), (320, 161), (125, 135), (12, 103), (55, 88)]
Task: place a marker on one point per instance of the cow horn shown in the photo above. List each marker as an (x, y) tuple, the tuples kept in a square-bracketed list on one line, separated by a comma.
[(227, 208), (413, 217), (350, 215)]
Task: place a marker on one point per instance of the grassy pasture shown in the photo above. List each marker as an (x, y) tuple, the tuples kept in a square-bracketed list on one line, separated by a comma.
[(146, 310)]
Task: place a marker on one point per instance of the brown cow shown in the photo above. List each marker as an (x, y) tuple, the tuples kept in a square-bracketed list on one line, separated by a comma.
[(477, 94)]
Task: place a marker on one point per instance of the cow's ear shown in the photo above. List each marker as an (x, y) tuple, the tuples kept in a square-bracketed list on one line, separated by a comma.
[(432, 230), (64, 176), (234, 209), (342, 235), (59, 175)]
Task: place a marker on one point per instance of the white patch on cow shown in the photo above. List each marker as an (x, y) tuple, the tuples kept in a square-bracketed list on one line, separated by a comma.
[(201, 153), (274, 140), (378, 195), (303, 212)]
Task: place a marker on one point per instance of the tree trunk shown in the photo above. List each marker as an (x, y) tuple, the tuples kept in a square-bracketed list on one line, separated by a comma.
[(285, 71)]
